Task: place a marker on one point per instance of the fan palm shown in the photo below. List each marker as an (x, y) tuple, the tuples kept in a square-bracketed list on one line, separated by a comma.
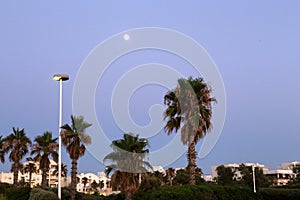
[(17, 144), (44, 147), (189, 108), (127, 160), (84, 182), (64, 170), (74, 139), (30, 168)]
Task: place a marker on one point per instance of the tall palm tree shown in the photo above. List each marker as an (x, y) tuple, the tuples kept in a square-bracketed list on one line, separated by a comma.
[(44, 147), (2, 153), (17, 144), (128, 162), (189, 109), (30, 168), (74, 139)]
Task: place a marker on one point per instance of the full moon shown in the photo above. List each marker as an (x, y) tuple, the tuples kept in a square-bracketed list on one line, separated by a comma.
[(126, 37)]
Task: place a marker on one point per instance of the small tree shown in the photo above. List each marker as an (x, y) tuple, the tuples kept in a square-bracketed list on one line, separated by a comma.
[(225, 175)]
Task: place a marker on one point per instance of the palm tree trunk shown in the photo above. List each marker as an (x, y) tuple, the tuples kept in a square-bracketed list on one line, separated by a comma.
[(16, 173), (192, 163), (30, 177), (44, 177), (73, 179)]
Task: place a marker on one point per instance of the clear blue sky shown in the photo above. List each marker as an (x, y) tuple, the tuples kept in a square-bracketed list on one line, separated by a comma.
[(255, 45)]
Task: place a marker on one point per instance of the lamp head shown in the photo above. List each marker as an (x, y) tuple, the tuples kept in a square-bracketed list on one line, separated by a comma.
[(58, 77)]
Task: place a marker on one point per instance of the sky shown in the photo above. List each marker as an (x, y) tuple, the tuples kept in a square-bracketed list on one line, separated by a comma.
[(254, 44)]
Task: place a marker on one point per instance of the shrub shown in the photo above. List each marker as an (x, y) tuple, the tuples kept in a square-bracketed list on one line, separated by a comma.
[(40, 194), (201, 192), (20, 193), (2, 197), (280, 194), (150, 183)]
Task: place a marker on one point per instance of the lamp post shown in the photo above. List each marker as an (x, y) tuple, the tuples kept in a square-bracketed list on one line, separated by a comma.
[(253, 176), (60, 78)]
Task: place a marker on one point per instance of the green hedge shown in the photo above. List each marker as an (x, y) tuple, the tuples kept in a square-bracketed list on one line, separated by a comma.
[(40, 194), (280, 194), (192, 192), (13, 193)]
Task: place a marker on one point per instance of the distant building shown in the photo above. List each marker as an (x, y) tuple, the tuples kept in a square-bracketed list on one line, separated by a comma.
[(280, 176), (208, 178), (6, 177), (36, 178), (158, 168), (234, 167), (289, 165), (87, 188)]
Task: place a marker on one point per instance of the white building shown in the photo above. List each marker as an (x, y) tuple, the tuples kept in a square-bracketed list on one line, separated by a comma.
[(280, 176), (36, 178), (235, 166), (90, 178), (289, 165), (158, 168)]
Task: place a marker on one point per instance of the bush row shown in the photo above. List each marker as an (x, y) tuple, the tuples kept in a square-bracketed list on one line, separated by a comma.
[(191, 192), (187, 192)]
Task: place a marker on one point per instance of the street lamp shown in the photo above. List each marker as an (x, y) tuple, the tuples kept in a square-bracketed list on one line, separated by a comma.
[(60, 78)]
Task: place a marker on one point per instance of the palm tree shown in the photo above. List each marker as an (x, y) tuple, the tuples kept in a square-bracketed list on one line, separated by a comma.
[(170, 173), (44, 147), (94, 186), (17, 144), (84, 182), (128, 161), (74, 139), (64, 170), (189, 108), (2, 153), (30, 168)]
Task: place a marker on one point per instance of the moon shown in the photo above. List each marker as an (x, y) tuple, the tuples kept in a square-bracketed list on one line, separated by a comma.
[(126, 37)]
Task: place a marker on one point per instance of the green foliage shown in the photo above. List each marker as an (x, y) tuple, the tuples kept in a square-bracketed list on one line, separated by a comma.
[(279, 194), (191, 192), (181, 178), (247, 177), (2, 197), (40, 194), (20, 193), (150, 183), (296, 180), (225, 175)]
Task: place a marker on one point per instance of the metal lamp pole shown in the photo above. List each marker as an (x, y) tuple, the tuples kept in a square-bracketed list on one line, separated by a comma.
[(60, 78), (253, 174)]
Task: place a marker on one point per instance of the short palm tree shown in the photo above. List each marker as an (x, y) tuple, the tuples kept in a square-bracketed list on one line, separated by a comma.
[(64, 170), (74, 139), (189, 109), (170, 173), (17, 144), (128, 161), (30, 168), (44, 147), (84, 182)]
